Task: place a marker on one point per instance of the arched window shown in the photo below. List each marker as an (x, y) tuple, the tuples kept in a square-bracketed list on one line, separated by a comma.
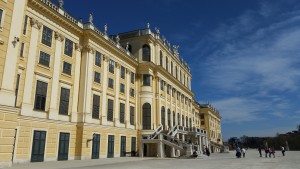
[(161, 59), (163, 116), (146, 53), (174, 118), (146, 116), (169, 117)]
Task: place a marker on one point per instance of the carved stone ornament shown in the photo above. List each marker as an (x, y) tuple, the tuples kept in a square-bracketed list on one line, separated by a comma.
[(91, 18), (105, 58), (118, 65), (128, 71), (78, 47), (127, 46), (118, 39), (157, 30), (105, 29), (89, 49), (60, 3), (59, 36), (35, 23)]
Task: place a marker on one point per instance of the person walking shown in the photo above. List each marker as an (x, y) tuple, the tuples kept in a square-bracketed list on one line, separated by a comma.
[(271, 152), (266, 151), (282, 150), (244, 152), (238, 152), (259, 150), (207, 151)]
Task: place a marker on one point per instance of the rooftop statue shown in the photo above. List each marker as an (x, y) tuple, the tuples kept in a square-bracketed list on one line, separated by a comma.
[(91, 18), (148, 26), (61, 3)]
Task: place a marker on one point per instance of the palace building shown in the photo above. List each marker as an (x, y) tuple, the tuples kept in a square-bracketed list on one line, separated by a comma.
[(69, 90)]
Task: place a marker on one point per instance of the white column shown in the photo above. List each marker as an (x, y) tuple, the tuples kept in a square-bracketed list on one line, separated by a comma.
[(7, 90), (117, 90), (104, 85), (74, 110), (86, 76), (127, 109), (53, 111), (160, 150), (27, 106), (200, 143)]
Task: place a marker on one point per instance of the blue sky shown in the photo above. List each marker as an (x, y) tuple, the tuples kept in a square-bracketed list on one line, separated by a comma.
[(244, 55)]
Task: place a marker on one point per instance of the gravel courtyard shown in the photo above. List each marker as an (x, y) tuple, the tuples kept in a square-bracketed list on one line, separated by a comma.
[(216, 161)]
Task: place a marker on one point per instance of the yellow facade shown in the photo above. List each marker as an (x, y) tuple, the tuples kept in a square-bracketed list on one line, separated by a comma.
[(210, 120), (66, 82)]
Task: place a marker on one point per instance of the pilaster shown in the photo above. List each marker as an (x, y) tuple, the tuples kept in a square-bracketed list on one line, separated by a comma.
[(86, 77), (74, 116), (7, 93), (53, 111), (127, 109), (117, 90), (27, 105), (104, 85)]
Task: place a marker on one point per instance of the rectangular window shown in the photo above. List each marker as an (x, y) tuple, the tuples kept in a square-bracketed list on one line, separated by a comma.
[(47, 36), (64, 101), (111, 146), (98, 59), (97, 77), (122, 112), (96, 106), (40, 95), (110, 110), (122, 72), (132, 78), (67, 68), (44, 59), (122, 88), (162, 85), (17, 89), (146, 80), (110, 83), (171, 68), (22, 49), (68, 47), (123, 146), (25, 25), (167, 64), (202, 123), (168, 89), (38, 146), (202, 116), (111, 66), (131, 115), (176, 72), (131, 92), (1, 13), (133, 144)]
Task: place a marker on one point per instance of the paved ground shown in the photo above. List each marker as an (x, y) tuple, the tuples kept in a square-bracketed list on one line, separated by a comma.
[(222, 161)]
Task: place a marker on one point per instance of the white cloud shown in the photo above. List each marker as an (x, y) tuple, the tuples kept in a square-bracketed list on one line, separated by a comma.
[(255, 61)]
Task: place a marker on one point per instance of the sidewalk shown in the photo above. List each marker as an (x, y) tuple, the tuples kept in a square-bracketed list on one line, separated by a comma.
[(77, 163)]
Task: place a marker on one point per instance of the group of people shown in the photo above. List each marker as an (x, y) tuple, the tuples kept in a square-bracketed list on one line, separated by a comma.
[(206, 150), (240, 152), (271, 151)]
